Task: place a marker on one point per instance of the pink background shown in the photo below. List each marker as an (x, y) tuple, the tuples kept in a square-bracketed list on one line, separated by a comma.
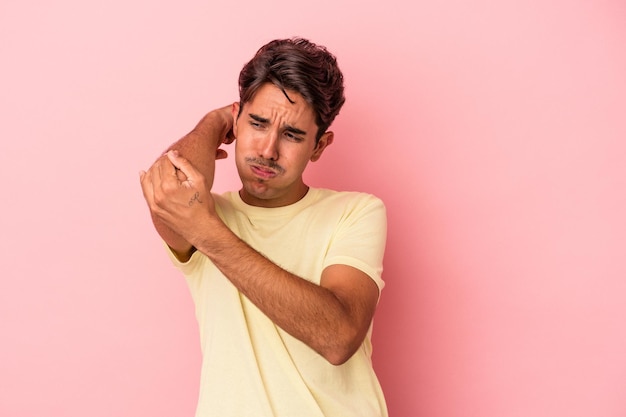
[(494, 131)]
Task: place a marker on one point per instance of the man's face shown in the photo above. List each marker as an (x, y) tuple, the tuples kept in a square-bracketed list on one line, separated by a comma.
[(275, 141)]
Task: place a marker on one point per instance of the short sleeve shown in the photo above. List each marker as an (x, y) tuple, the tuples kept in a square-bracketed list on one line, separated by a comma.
[(360, 238)]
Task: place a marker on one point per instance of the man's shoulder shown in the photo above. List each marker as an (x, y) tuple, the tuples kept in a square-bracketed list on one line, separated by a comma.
[(346, 197), (224, 196), (225, 203)]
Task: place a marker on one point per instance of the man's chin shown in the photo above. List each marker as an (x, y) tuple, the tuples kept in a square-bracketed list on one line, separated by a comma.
[(255, 192)]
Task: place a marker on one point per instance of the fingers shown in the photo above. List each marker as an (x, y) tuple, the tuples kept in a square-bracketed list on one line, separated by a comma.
[(179, 174), (168, 175), (145, 179), (221, 154), (167, 169), (182, 164), (152, 180), (230, 137)]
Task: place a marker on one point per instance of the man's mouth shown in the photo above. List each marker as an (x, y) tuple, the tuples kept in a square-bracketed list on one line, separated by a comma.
[(264, 169), (263, 172)]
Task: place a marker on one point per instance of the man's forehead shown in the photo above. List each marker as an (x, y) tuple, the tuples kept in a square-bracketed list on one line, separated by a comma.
[(271, 103)]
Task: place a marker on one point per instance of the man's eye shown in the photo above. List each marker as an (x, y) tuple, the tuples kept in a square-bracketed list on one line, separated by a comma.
[(293, 137)]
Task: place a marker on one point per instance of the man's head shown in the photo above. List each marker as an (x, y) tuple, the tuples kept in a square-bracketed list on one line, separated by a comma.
[(301, 66)]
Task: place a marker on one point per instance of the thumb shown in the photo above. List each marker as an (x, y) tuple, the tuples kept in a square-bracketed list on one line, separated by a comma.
[(182, 164)]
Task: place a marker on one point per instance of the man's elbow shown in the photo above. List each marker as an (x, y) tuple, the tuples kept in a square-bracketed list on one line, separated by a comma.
[(338, 358), (342, 352)]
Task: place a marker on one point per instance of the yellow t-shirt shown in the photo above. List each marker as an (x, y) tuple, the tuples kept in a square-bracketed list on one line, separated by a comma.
[(251, 367)]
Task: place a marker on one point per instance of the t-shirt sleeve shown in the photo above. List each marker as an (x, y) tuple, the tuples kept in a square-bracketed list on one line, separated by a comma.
[(189, 267), (360, 238)]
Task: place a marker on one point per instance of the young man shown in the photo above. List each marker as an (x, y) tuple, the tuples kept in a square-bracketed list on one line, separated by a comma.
[(285, 278)]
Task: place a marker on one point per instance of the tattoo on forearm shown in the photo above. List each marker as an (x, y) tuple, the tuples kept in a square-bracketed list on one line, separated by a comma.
[(196, 197)]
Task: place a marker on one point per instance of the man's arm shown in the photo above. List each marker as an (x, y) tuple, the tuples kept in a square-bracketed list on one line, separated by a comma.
[(201, 148), (332, 318)]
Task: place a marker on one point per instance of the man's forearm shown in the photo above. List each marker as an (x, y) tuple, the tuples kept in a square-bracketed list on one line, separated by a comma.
[(200, 147), (307, 311)]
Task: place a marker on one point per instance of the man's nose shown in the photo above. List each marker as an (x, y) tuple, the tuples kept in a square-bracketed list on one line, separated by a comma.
[(269, 146)]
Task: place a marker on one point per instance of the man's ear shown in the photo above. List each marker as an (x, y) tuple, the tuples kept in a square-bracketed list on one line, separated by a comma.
[(325, 141), (235, 113)]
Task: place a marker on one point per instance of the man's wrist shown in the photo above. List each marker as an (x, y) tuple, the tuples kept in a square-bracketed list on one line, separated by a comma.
[(212, 236)]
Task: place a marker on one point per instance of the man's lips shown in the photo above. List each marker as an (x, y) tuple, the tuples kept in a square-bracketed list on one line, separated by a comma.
[(263, 172), (264, 168)]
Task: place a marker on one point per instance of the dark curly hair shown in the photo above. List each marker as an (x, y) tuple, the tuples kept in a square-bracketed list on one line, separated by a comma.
[(298, 65)]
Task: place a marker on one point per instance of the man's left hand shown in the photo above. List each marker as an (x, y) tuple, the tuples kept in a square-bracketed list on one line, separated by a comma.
[(178, 195)]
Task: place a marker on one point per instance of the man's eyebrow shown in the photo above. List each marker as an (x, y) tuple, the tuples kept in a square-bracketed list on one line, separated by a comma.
[(294, 130), (288, 128), (258, 118)]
